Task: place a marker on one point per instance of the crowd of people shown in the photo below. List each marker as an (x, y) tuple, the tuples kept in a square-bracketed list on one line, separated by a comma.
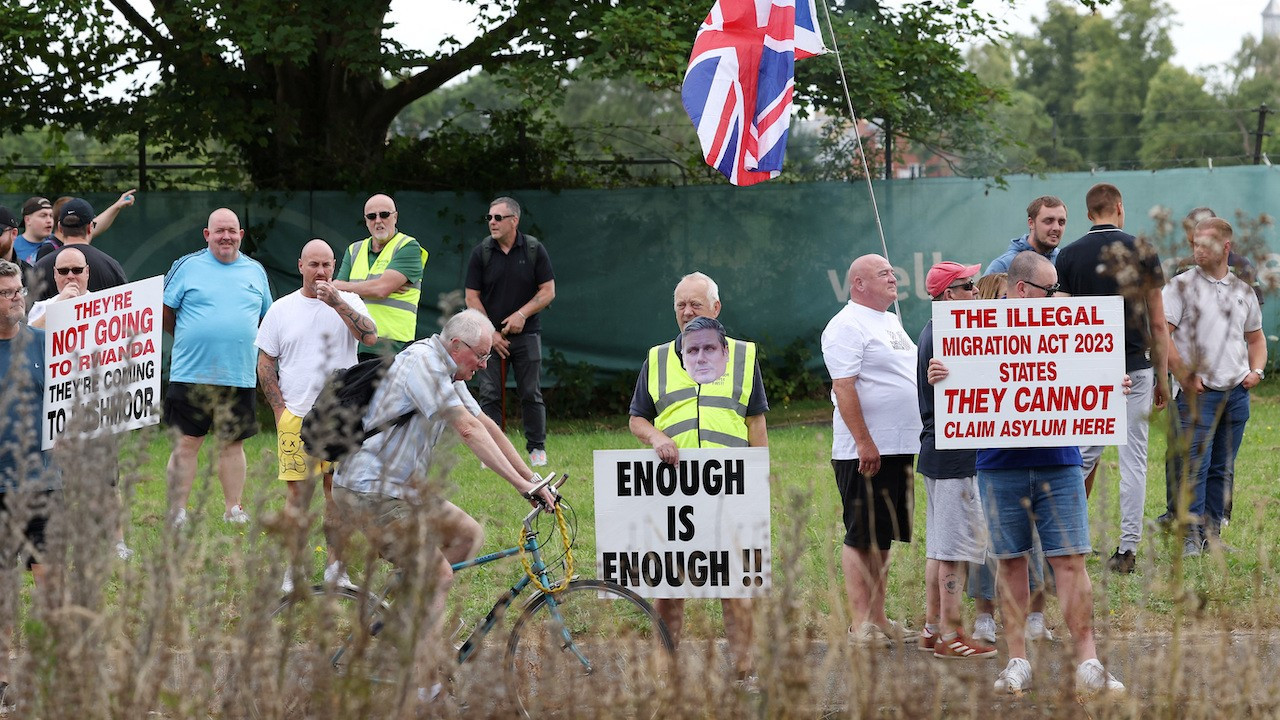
[(1027, 506), (994, 517)]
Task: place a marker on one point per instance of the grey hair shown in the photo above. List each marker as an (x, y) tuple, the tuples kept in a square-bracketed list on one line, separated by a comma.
[(8, 269), (511, 204), (469, 326), (705, 323), (1024, 265), (713, 290)]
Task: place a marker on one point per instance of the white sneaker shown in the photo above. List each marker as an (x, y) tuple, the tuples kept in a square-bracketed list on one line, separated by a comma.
[(334, 574), (180, 518), (984, 629), (122, 551), (1016, 677), (1036, 629), (286, 586), (1091, 678), (537, 458), (236, 515)]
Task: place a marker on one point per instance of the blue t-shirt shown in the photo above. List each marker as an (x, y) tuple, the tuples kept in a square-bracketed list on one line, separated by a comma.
[(25, 250), (22, 464), (218, 307), (1010, 458)]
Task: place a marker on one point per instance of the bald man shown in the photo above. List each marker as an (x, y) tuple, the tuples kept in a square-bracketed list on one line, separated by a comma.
[(385, 270), (876, 434), (304, 337), (71, 280), (213, 301)]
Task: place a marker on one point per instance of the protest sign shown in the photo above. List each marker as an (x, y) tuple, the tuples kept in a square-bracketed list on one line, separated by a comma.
[(1043, 372), (699, 528), (102, 361)]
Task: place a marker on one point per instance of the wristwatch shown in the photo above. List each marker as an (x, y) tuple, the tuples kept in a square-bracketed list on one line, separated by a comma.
[(1261, 375)]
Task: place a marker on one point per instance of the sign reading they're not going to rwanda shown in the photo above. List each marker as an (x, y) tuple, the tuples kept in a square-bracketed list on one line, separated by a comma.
[(1029, 372), (696, 529)]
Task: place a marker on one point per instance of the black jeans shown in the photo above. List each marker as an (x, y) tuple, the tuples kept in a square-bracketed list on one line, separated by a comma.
[(525, 361)]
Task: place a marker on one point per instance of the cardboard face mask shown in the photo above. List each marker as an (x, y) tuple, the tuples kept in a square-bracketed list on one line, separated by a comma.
[(704, 357)]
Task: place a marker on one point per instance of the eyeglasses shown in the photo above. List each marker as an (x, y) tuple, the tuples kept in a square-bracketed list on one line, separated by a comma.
[(12, 294), (497, 218), (71, 270), (1048, 291), (381, 215), (966, 286), (482, 359)]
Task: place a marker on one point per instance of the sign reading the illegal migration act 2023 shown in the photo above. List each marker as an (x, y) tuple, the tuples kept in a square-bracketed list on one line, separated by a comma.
[(1030, 372), (699, 528), (102, 361)]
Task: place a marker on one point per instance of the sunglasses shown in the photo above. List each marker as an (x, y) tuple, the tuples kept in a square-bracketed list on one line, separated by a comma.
[(1048, 291), (966, 286), (383, 215), (497, 218), (71, 270)]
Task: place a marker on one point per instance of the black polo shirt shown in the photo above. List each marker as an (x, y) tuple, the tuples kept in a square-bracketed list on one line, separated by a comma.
[(509, 281), (1089, 266)]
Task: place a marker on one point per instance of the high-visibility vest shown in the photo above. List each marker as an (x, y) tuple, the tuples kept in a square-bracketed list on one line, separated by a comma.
[(397, 314), (709, 415)]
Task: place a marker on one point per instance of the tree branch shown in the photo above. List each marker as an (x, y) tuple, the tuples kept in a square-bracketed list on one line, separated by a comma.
[(140, 23)]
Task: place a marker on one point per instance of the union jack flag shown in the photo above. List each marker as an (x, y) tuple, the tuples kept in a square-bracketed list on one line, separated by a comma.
[(740, 81)]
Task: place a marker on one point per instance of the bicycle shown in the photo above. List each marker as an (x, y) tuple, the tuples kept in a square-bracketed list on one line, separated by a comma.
[(574, 637)]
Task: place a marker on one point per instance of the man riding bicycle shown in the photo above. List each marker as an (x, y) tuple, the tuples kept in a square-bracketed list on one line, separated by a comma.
[(381, 488)]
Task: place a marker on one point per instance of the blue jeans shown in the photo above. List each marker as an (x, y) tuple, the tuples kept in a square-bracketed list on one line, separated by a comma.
[(1049, 498), (525, 361), (1213, 423)]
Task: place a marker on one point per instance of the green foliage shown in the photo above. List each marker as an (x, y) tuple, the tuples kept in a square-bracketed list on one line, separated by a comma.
[(787, 374)]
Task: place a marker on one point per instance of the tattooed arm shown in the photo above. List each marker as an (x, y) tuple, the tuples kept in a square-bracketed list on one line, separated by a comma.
[(362, 328)]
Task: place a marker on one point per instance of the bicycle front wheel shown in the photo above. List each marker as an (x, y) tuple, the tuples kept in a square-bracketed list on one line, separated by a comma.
[(594, 641)]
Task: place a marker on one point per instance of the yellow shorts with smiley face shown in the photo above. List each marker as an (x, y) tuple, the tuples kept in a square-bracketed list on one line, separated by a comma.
[(295, 463)]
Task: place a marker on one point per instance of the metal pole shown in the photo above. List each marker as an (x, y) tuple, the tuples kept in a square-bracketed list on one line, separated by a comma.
[(142, 159), (1263, 110)]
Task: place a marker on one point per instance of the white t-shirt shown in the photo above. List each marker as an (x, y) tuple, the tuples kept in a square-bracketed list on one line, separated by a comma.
[(309, 341), (1210, 319), (39, 309), (872, 346)]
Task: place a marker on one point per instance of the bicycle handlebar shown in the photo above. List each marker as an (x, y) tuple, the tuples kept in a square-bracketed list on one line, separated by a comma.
[(545, 483)]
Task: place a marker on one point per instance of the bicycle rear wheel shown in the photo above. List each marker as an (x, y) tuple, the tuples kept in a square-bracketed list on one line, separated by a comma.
[(593, 641)]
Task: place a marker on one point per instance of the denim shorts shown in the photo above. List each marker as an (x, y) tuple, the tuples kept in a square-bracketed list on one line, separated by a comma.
[(1052, 497)]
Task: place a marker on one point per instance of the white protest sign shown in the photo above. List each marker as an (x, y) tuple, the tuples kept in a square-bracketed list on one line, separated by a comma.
[(699, 528), (102, 361), (1042, 372)]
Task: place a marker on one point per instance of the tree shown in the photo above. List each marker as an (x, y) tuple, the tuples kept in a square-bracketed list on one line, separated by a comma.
[(1182, 123), (303, 92)]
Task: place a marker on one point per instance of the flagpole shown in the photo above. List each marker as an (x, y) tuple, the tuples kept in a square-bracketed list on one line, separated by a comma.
[(862, 154)]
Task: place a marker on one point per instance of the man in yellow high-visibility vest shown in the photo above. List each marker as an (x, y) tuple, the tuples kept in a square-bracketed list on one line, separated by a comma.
[(670, 410), (385, 270)]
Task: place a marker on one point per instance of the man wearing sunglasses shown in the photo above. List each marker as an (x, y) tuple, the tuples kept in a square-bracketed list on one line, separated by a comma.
[(385, 270), (510, 280), (1146, 337), (955, 532), (1038, 490), (75, 225), (72, 277)]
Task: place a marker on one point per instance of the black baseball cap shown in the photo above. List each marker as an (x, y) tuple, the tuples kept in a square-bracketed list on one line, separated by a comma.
[(77, 212), (35, 204), (7, 220)]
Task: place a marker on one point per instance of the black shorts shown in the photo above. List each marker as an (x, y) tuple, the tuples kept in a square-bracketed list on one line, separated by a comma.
[(28, 511), (876, 510), (194, 409)]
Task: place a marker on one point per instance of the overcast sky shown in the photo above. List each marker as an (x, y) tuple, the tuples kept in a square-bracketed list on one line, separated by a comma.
[(1208, 31)]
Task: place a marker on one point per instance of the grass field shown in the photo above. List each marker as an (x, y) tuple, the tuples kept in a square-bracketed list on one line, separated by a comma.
[(200, 594)]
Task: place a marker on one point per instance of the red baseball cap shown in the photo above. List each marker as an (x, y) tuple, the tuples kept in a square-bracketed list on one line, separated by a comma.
[(945, 273)]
